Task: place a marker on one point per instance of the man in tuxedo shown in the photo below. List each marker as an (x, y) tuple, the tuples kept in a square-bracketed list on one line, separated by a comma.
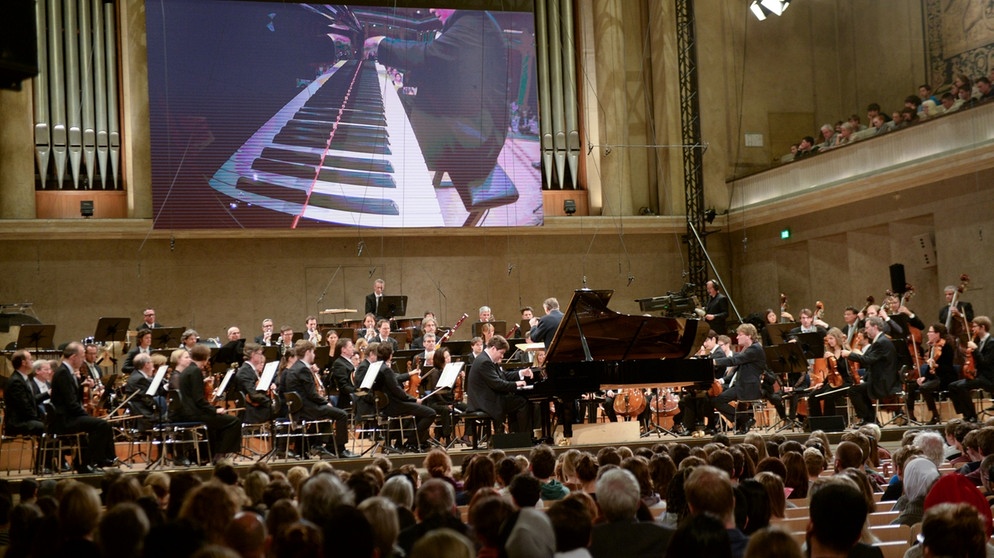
[(67, 397), (544, 329), (618, 499), (428, 325), (880, 360), (223, 430), (41, 383), (750, 363), (341, 373), (266, 338), (302, 378), (981, 346), (961, 310), (142, 346), (383, 327), (258, 404), (716, 308), (400, 403), (148, 320), (21, 408), (373, 298), (152, 409), (311, 332), (285, 340), (494, 391)]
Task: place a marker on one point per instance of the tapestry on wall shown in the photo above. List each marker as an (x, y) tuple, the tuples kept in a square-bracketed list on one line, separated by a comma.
[(960, 39)]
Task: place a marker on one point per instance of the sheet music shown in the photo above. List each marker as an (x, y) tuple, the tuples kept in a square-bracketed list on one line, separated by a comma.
[(268, 373), (371, 373), (153, 388), (224, 382), (449, 373)]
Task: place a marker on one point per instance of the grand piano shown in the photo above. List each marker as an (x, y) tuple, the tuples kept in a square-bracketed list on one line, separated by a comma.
[(596, 348)]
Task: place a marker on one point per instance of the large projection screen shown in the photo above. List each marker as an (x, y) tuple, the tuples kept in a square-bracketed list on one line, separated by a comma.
[(274, 115)]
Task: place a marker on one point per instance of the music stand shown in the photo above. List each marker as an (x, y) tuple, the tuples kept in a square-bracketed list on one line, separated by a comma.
[(903, 323), (111, 330), (778, 332), (786, 360), (458, 348), (811, 344), (36, 336), (272, 353), (166, 337), (322, 356), (392, 305)]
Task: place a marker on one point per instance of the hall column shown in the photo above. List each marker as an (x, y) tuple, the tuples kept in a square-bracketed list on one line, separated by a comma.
[(612, 118), (17, 177)]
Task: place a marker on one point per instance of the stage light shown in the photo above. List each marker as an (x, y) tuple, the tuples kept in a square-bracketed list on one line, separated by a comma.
[(710, 214), (775, 6), (758, 10)]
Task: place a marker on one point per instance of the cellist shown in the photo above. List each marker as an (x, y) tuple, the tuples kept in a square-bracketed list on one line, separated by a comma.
[(936, 374)]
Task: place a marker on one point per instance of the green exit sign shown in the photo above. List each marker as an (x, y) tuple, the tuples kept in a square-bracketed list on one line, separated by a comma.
[(785, 234)]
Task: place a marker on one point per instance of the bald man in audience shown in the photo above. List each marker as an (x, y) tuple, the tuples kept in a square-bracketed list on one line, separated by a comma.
[(709, 490)]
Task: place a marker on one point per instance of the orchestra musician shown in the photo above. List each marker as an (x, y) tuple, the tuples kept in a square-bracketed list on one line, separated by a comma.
[(890, 327), (807, 319), (142, 344), (148, 320), (695, 409), (223, 431), (487, 332), (67, 401), (486, 315), (444, 401), (981, 346), (258, 404), (189, 338), (400, 403), (331, 339), (494, 391), (750, 363), (266, 339), (342, 370), (428, 325), (851, 317), (823, 399), (373, 298), (894, 307), (90, 369), (365, 405), (150, 409), (311, 332), (476, 348), (383, 337), (880, 360), (234, 334), (368, 330), (285, 340), (425, 358), (961, 309), (716, 308), (21, 413), (302, 378), (544, 329), (41, 383), (936, 374)]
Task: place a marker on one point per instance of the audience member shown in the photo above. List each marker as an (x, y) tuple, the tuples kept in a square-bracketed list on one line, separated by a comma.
[(619, 498)]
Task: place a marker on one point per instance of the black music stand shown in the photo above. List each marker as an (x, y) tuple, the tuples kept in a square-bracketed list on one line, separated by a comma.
[(110, 330), (36, 336), (458, 348), (811, 344), (778, 333), (499, 328), (392, 305), (271, 353), (343, 332), (166, 337), (232, 351), (322, 356), (784, 361), (903, 323)]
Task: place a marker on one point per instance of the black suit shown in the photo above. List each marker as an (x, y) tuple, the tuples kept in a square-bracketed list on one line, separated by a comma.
[(152, 409), (750, 363), (67, 396), (494, 392), (21, 408), (965, 309), (144, 325), (300, 379), (258, 408), (959, 391), (129, 360), (400, 403), (718, 307), (371, 304), (341, 377), (880, 361), (366, 405), (545, 329), (223, 431)]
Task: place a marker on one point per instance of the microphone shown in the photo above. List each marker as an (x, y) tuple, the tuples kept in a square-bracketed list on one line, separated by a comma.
[(631, 278), (360, 247), (510, 268), (372, 270)]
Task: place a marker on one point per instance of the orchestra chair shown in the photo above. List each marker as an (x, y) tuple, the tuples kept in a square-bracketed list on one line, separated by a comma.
[(306, 430), (257, 439), (136, 431), (173, 436), (400, 427), (752, 408), (11, 443), (895, 404), (57, 444), (478, 424), (980, 404)]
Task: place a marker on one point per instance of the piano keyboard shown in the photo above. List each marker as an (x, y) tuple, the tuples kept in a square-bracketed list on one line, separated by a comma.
[(365, 171)]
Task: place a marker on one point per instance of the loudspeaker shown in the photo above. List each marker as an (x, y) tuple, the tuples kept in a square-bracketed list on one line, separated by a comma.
[(829, 423), (514, 440), (897, 280), (18, 43)]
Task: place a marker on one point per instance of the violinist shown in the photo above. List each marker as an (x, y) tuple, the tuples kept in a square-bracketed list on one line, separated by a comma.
[(750, 363), (151, 409), (223, 431), (444, 401), (342, 370), (851, 317), (820, 404), (258, 404), (365, 405), (934, 375), (981, 347), (91, 370), (400, 403), (302, 377)]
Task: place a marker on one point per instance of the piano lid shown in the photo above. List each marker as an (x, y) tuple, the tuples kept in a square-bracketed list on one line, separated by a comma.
[(590, 330)]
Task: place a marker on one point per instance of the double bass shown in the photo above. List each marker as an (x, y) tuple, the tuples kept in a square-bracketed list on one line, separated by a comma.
[(629, 402)]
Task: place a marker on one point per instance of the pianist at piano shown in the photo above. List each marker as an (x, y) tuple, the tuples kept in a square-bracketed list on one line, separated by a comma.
[(494, 391)]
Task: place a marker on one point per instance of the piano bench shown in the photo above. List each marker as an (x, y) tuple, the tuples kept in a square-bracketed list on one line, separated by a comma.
[(473, 421)]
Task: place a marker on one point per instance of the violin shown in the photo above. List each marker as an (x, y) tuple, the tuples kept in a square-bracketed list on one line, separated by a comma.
[(458, 390), (414, 383)]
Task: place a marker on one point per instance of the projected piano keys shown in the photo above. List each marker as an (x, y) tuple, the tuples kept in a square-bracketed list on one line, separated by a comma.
[(373, 173)]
